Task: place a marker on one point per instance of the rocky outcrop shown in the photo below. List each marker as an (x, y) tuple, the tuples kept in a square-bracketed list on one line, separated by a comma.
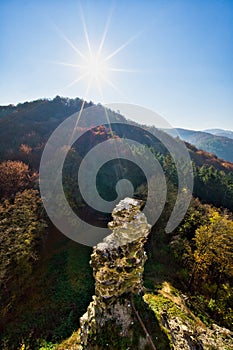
[(159, 320), (186, 335), (184, 329), (118, 264)]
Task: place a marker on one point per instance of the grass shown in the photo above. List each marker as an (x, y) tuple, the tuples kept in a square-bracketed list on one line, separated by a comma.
[(157, 333), (48, 307), (169, 299)]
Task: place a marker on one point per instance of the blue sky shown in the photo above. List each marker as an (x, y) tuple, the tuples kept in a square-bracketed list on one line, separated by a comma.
[(179, 55)]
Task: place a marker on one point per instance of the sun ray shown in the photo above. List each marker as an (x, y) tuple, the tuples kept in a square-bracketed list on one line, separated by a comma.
[(100, 89), (89, 85), (113, 86), (70, 43), (75, 81), (69, 64), (112, 134), (85, 31), (120, 48), (125, 70), (76, 124), (92, 65), (105, 33), (80, 112)]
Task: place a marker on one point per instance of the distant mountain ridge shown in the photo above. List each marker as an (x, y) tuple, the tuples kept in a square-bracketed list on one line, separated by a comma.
[(220, 132), (221, 146)]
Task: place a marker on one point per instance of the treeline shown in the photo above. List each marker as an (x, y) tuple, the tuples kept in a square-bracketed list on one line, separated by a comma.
[(45, 282), (22, 229), (211, 185), (203, 247), (25, 128)]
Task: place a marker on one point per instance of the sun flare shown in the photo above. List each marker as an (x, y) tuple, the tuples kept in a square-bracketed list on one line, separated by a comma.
[(95, 68), (92, 66)]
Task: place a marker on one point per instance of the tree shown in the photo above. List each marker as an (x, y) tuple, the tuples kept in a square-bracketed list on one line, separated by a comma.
[(21, 231), (15, 176), (213, 252)]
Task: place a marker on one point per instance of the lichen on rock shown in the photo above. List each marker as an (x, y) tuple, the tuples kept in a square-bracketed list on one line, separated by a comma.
[(118, 265)]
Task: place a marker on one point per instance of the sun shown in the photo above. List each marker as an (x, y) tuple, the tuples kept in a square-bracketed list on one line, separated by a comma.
[(92, 66)]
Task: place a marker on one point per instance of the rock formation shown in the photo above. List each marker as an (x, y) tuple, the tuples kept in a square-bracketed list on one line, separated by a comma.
[(184, 330), (118, 264), (114, 322)]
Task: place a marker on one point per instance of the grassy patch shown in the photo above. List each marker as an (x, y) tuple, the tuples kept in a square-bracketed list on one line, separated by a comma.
[(157, 333), (49, 306)]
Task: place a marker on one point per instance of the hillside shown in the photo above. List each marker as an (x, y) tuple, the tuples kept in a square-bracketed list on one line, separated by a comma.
[(25, 129), (220, 132), (217, 143), (31, 124), (46, 281)]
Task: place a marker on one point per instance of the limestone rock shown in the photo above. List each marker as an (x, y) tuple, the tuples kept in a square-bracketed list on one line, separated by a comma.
[(185, 330), (113, 322), (118, 265)]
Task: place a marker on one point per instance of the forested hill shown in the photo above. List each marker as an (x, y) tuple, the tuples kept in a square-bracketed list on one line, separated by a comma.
[(46, 282), (218, 142), (220, 132), (25, 128)]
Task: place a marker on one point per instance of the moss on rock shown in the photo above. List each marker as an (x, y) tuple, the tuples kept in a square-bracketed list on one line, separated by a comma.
[(118, 265)]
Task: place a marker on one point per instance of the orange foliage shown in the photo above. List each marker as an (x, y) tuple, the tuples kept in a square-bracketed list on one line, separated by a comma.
[(25, 149), (14, 176)]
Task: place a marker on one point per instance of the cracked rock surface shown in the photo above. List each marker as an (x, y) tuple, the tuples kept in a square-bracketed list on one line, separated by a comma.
[(118, 265)]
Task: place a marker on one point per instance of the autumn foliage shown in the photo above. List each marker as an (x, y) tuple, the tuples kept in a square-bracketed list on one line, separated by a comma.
[(15, 176)]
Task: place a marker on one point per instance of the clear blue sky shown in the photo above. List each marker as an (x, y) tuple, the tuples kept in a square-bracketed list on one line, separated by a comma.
[(180, 57)]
